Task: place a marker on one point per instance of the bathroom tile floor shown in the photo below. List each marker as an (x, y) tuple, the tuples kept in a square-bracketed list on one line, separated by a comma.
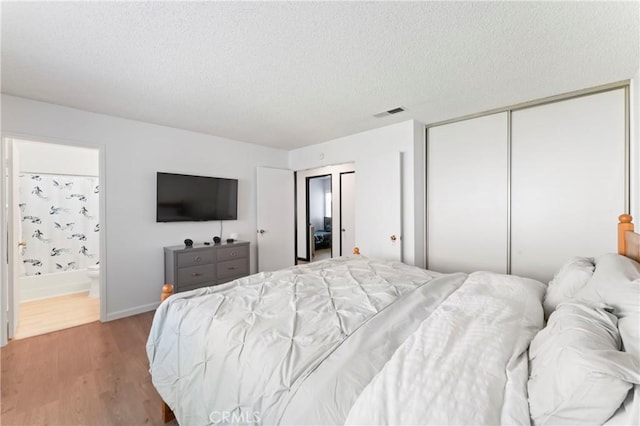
[(56, 313)]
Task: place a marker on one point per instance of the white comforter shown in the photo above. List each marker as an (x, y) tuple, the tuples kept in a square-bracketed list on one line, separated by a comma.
[(466, 363), (242, 349), (299, 346)]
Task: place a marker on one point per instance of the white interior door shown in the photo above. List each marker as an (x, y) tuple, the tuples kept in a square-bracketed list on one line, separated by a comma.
[(14, 253), (568, 181), (13, 238), (347, 213), (275, 219), (5, 226), (378, 206), (467, 190)]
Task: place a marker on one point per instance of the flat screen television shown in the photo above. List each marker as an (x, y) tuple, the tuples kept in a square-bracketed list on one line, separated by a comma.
[(186, 198)]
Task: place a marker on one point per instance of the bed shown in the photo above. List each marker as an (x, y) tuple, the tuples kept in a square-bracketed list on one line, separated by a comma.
[(366, 341)]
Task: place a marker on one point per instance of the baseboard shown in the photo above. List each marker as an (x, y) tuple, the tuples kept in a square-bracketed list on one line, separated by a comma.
[(133, 311), (37, 287)]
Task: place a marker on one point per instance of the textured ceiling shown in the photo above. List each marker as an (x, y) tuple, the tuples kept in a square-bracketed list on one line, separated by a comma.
[(289, 74)]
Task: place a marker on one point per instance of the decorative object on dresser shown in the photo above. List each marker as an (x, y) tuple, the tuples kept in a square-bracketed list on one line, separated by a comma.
[(188, 268), (188, 242)]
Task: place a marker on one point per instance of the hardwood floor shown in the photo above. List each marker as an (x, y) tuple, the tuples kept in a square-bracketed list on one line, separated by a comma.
[(56, 313), (93, 374)]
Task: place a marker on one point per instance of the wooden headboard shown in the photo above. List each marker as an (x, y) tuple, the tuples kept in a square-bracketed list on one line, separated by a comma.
[(628, 241)]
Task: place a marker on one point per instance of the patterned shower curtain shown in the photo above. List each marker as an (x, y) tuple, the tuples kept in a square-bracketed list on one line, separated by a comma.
[(59, 222)]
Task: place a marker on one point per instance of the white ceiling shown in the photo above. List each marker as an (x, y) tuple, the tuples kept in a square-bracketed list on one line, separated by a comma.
[(290, 74)]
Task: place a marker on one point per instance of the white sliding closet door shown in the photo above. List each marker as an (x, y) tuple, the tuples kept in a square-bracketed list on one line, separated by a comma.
[(568, 181), (467, 195)]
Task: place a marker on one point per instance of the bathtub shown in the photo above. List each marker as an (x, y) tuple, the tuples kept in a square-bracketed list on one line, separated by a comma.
[(54, 284)]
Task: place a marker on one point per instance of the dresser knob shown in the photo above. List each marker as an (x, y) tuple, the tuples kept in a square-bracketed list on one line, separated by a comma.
[(196, 274), (197, 259)]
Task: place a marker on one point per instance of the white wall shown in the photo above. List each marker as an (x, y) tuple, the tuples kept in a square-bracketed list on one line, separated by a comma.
[(406, 137), (37, 157), (301, 194), (132, 153)]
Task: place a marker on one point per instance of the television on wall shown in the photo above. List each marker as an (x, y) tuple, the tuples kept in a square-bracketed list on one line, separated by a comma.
[(187, 198)]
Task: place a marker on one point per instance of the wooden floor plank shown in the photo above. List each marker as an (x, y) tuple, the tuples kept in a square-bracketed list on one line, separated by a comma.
[(80, 402), (94, 374), (43, 415), (41, 377), (74, 360), (18, 360)]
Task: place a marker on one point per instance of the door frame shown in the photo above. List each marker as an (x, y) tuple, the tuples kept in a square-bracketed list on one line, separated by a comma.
[(307, 179), (342, 173), (5, 194)]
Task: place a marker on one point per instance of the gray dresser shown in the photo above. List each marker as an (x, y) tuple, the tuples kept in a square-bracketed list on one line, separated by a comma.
[(203, 266)]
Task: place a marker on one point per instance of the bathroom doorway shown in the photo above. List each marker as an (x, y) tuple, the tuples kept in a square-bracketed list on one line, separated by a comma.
[(54, 245)]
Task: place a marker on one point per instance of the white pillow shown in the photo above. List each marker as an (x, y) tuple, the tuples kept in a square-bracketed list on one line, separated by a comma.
[(613, 284), (578, 373), (629, 411), (616, 283), (629, 327), (568, 281)]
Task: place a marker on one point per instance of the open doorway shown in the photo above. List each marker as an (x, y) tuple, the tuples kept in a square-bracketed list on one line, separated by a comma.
[(319, 204), (319, 207), (53, 219)]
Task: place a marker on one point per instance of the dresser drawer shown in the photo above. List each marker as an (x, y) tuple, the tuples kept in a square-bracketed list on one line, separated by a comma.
[(195, 274), (231, 253), (195, 258), (233, 268)]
